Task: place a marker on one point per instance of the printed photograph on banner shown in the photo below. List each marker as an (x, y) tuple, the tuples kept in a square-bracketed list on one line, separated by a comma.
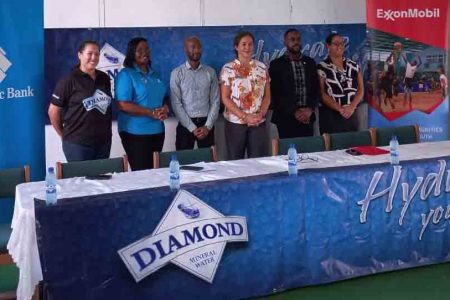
[(407, 85), (405, 76)]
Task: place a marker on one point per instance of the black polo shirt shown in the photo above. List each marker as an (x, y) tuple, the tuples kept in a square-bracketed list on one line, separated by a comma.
[(86, 107)]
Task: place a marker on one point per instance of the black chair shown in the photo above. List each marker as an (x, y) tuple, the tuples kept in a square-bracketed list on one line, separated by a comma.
[(405, 135), (345, 140), (9, 273), (185, 157), (91, 167), (302, 144)]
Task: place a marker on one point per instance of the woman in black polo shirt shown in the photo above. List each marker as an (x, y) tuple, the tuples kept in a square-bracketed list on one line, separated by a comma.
[(80, 108), (341, 86)]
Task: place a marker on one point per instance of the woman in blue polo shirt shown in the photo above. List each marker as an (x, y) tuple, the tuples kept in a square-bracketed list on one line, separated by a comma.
[(139, 95)]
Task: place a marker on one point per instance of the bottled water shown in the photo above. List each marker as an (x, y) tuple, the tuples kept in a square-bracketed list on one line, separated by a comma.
[(50, 187), (292, 160), (393, 146), (174, 173)]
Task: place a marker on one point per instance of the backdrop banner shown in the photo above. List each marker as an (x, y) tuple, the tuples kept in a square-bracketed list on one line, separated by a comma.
[(407, 79), (21, 86), (167, 46)]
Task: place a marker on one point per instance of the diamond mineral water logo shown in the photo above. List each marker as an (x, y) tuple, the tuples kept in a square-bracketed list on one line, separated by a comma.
[(191, 235), (5, 64), (111, 62), (99, 101)]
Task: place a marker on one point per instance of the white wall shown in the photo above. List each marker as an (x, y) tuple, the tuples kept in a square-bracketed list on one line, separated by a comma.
[(170, 13), (161, 13)]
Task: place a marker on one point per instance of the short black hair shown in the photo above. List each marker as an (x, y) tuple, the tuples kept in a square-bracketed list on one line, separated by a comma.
[(238, 37), (330, 37), (289, 31), (131, 51), (85, 43), (83, 46)]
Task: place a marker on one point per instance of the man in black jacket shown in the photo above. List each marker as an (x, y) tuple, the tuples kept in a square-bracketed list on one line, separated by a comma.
[(295, 89)]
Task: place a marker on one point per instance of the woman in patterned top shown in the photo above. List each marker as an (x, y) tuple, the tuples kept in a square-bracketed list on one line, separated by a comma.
[(342, 89), (245, 91)]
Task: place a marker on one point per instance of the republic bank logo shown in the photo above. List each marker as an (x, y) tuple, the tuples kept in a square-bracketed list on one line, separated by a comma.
[(191, 235), (5, 64), (410, 13)]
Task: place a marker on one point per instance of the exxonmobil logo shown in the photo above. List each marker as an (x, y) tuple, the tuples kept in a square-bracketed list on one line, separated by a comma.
[(411, 13)]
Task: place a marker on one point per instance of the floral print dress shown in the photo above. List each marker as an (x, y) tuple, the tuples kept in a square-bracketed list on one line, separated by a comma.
[(247, 84)]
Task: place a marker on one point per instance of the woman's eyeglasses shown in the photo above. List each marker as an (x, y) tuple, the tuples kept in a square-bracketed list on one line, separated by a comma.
[(304, 158), (341, 44), (307, 158), (143, 51)]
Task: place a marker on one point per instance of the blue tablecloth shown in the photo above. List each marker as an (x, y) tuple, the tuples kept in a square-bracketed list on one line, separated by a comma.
[(303, 230)]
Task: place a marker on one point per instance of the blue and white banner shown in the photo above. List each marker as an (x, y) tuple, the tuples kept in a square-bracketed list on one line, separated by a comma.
[(167, 46), (322, 226), (21, 81)]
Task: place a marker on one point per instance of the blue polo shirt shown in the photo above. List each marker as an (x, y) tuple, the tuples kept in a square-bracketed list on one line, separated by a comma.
[(143, 89)]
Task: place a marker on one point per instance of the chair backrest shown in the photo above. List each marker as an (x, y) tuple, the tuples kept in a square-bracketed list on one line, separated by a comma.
[(185, 157), (302, 144), (9, 178), (405, 134), (345, 140), (91, 167)]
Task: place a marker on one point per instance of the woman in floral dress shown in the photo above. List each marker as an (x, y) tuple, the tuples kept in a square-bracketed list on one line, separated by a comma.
[(245, 91)]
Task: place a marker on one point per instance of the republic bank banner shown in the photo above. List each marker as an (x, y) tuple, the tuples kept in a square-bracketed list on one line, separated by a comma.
[(21, 82), (407, 56)]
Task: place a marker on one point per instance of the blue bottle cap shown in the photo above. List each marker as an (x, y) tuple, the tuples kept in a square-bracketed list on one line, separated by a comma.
[(174, 157), (394, 137), (51, 169)]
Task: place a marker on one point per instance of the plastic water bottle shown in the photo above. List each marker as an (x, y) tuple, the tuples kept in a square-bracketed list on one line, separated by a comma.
[(393, 146), (292, 160), (50, 187), (174, 173)]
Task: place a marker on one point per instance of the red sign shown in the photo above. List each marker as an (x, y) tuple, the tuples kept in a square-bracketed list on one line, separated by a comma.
[(422, 21)]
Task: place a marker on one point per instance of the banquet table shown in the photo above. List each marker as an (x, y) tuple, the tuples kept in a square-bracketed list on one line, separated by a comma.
[(343, 216)]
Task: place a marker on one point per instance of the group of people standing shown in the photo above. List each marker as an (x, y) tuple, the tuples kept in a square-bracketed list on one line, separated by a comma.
[(80, 108)]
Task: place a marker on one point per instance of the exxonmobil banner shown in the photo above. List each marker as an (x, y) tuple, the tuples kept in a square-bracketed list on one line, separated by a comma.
[(408, 80), (21, 85), (424, 21)]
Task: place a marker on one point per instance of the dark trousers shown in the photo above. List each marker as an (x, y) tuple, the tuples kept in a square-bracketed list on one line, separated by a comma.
[(186, 139), (331, 121), (293, 128), (140, 148), (75, 152), (240, 137)]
